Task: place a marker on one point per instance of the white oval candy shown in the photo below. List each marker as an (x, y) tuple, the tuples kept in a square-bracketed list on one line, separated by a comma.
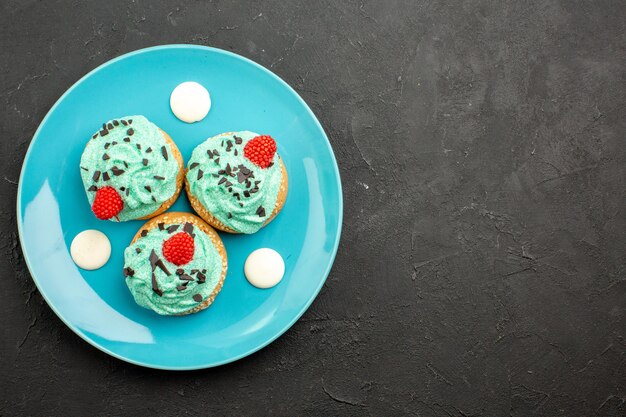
[(90, 249), (190, 102), (264, 268)]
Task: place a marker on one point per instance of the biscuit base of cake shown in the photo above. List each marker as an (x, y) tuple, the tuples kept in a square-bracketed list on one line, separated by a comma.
[(210, 219), (182, 218), (179, 179)]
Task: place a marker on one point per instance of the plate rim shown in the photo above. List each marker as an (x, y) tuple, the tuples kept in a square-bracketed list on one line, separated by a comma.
[(208, 364)]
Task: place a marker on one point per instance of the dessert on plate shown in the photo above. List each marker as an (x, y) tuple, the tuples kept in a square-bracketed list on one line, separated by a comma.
[(236, 181), (175, 264), (131, 169)]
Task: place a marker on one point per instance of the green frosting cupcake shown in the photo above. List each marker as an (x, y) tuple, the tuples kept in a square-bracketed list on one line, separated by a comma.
[(169, 288), (135, 165), (236, 178)]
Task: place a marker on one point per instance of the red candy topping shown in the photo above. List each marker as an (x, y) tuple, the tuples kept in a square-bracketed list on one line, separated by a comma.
[(179, 248), (107, 203), (260, 150)]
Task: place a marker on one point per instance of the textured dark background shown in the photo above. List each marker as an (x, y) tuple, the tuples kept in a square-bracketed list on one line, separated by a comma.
[(482, 266)]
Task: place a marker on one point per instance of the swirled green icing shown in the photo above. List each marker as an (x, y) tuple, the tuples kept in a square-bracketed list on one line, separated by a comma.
[(131, 155), (233, 189), (168, 294)]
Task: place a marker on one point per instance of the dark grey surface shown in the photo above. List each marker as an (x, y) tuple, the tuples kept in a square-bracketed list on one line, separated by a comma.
[(482, 266)]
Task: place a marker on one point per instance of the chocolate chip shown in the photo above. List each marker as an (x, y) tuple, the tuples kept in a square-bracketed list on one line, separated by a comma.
[(172, 228), (215, 175), (117, 172), (124, 122), (180, 271), (210, 154), (138, 146), (106, 145), (192, 166), (246, 194), (144, 233), (228, 169), (254, 190), (185, 278), (96, 176), (194, 271), (215, 152), (204, 271), (200, 174), (164, 152), (149, 150), (221, 172), (125, 164), (188, 228), (106, 157), (236, 195), (240, 204), (110, 126), (270, 165), (147, 187), (230, 216), (122, 188), (113, 143), (197, 298), (129, 272), (126, 139), (181, 287), (158, 177), (130, 121), (260, 211), (161, 226), (130, 132), (144, 162), (94, 136), (217, 161), (153, 199), (105, 176), (138, 250), (228, 184), (238, 140), (116, 123), (221, 181), (241, 177), (92, 188), (230, 189), (236, 153), (201, 278), (127, 192), (104, 132)]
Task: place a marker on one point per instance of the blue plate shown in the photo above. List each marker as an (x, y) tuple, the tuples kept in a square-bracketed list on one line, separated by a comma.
[(52, 208)]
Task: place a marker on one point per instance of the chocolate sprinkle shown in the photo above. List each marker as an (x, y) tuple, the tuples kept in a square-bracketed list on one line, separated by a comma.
[(105, 157), (230, 216), (238, 140), (116, 123), (138, 250), (147, 187), (161, 226), (153, 199), (154, 259), (130, 132), (172, 229), (158, 177), (92, 188), (144, 233), (104, 132), (124, 122), (105, 176), (96, 176), (164, 152), (127, 191), (145, 162), (110, 126), (260, 211), (197, 297), (117, 172), (192, 166), (94, 136), (210, 154), (200, 174), (126, 139), (236, 153), (149, 150)]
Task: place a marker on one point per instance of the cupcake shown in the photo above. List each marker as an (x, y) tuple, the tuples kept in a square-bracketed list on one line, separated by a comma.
[(131, 169), (175, 265), (237, 182)]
